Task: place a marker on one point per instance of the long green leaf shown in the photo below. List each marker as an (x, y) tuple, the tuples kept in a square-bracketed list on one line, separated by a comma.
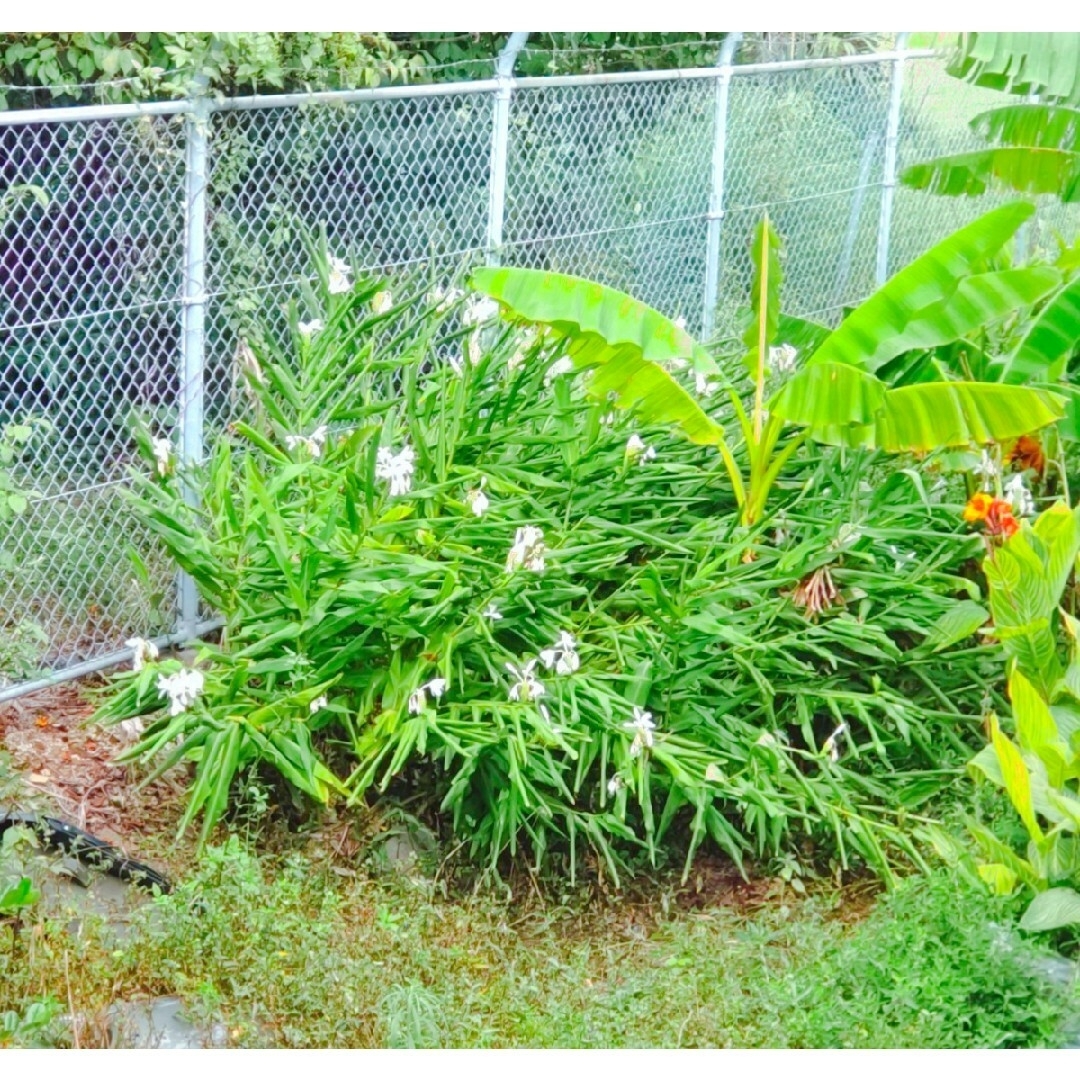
[(873, 332), (1050, 342), (575, 307), (1021, 63), (1052, 910), (764, 293), (930, 415), (1027, 171), (622, 341)]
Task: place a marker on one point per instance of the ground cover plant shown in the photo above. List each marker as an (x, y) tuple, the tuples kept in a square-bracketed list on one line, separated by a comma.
[(286, 953)]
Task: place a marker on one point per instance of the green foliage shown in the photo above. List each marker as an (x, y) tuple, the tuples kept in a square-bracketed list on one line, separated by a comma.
[(360, 619), (837, 396), (1026, 576), (133, 66), (1021, 63), (287, 953)]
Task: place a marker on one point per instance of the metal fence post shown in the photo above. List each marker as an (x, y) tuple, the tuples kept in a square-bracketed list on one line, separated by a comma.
[(500, 141), (196, 132), (715, 215), (888, 181)]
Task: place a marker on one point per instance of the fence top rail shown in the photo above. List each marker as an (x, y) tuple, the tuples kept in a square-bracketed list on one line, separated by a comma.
[(184, 106)]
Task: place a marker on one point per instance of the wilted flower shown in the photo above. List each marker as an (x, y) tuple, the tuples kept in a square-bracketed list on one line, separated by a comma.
[(831, 744), (491, 612), (340, 276), (528, 550), (418, 698), (477, 500), (782, 358), (614, 785), (643, 727), (636, 449), (478, 310), (309, 329), (815, 592), (397, 468), (181, 688), (382, 302), (143, 652), (526, 687), (248, 361), (132, 728), (1016, 491), (562, 656), (318, 703), (1027, 453), (163, 454)]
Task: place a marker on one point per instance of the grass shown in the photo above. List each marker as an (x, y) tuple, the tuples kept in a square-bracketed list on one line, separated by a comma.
[(291, 954)]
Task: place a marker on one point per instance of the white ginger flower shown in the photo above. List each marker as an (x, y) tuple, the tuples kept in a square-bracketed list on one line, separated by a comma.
[(832, 743), (318, 703), (163, 454), (900, 558), (526, 687), (680, 322), (562, 656), (144, 652), (479, 310), (313, 443), (397, 468), (615, 785), (643, 727), (418, 698), (382, 302), (309, 329), (563, 366), (528, 550), (181, 688), (1017, 492), (477, 500), (987, 469), (637, 450), (782, 358), (340, 276), (443, 299), (704, 385), (491, 612)]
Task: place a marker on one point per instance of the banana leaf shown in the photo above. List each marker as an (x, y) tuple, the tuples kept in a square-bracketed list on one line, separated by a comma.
[(917, 296)]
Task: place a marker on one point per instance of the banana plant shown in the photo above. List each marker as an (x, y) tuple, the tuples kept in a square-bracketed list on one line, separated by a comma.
[(837, 397)]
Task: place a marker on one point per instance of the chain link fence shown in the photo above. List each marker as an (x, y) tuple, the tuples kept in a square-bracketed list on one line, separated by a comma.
[(137, 242)]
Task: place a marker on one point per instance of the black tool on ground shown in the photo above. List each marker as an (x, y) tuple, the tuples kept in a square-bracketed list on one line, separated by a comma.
[(95, 852)]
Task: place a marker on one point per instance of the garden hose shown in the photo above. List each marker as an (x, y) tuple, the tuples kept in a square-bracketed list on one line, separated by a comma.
[(81, 845)]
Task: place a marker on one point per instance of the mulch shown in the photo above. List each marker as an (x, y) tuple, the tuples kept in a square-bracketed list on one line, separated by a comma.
[(68, 770)]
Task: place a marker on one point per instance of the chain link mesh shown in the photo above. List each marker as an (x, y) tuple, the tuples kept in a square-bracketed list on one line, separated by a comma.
[(604, 179)]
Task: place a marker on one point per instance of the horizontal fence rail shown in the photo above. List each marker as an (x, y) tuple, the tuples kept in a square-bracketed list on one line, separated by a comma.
[(169, 226)]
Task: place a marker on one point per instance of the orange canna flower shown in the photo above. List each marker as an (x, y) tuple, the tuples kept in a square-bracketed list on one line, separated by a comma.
[(978, 507), (1000, 520)]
